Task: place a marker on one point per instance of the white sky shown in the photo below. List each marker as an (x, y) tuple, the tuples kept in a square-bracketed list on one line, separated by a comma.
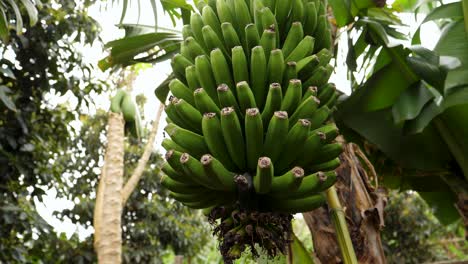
[(150, 78)]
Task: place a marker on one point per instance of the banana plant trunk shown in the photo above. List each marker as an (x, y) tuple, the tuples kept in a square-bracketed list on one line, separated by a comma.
[(363, 205), (108, 207)]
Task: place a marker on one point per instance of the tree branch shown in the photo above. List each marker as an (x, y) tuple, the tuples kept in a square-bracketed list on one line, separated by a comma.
[(138, 172)]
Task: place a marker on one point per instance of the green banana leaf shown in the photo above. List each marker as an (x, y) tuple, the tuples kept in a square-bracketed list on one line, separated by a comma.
[(414, 108), (299, 255), (125, 51)]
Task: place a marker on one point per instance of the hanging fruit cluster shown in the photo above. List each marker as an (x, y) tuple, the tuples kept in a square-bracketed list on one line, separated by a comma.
[(250, 141)]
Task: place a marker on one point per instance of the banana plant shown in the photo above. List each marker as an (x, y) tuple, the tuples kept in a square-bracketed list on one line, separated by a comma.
[(6, 17), (146, 43), (412, 107), (254, 144)]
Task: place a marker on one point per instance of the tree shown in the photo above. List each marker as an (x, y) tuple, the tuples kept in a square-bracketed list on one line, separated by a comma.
[(36, 133), (151, 222), (33, 132)]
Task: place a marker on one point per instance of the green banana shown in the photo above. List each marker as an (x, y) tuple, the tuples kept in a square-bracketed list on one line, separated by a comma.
[(227, 98), (313, 143), (330, 103), (231, 39), (326, 92), (221, 69), (276, 135), (186, 31), (194, 168), (233, 137), (192, 79), (178, 187), (240, 66), (312, 184), (173, 159), (173, 174), (288, 182), (319, 117), (210, 18), (190, 197), (224, 13), (320, 76), (116, 101), (245, 96), (213, 41), (213, 4), (181, 91), (201, 5), (213, 134), (290, 73), (326, 153), (253, 137), (258, 67), (172, 113), (184, 51), (180, 63), (215, 168), (294, 141), (168, 144), (194, 48), (258, 5), (302, 50), (282, 11), (307, 66), (242, 16), (297, 12), (276, 66), (273, 103), (305, 110), (270, 4), (294, 37), (329, 165), (325, 40), (310, 91), (324, 56), (264, 177), (204, 103), (311, 18), (179, 75), (187, 139), (252, 37), (210, 201), (196, 23), (330, 131), (293, 206), (205, 75), (293, 96), (269, 22), (189, 114), (268, 41)]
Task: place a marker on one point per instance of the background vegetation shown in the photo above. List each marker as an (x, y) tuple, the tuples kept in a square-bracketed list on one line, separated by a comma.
[(48, 146)]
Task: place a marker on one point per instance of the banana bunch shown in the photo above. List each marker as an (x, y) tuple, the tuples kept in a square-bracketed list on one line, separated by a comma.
[(123, 103), (248, 116)]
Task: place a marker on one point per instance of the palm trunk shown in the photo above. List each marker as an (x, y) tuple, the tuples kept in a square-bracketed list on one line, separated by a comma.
[(107, 219), (363, 210)]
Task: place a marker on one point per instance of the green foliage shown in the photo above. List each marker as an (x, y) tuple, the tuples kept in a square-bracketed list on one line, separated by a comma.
[(412, 105), (413, 235), (152, 223), (34, 133)]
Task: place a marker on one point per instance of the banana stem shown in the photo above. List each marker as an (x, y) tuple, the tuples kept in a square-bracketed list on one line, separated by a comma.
[(341, 229), (453, 145)]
